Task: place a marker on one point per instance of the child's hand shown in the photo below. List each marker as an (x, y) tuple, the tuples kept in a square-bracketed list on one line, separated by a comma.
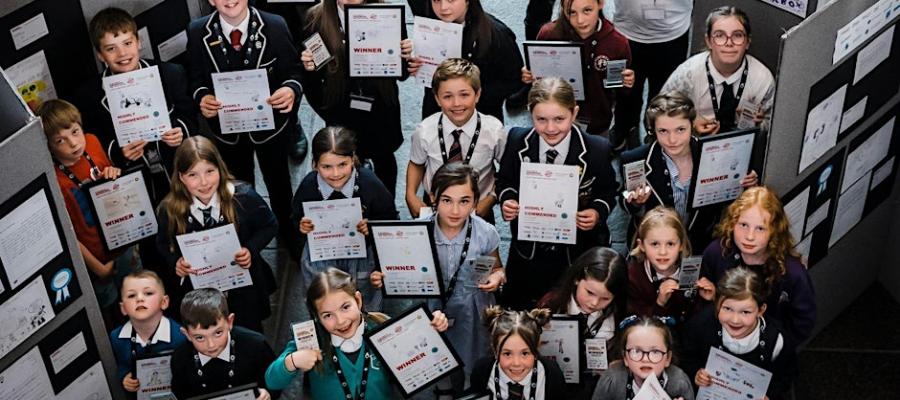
[(707, 289), (705, 126), (173, 137), (376, 278), (587, 219), (750, 180), (363, 227), (406, 48), (130, 384), (264, 395), (439, 322), (183, 268), (666, 288), (640, 196), (702, 378), (628, 78), (111, 173), (242, 258), (282, 100), (209, 106), (134, 150), (302, 360), (412, 65), (510, 209), (306, 57), (527, 76), (306, 225), (495, 279)]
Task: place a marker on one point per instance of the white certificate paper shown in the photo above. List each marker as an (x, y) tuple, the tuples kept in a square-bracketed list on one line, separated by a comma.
[(28, 239), (435, 41), (335, 236), (869, 154), (91, 385), (548, 202), (211, 253), (595, 354), (635, 176), (373, 40), (850, 207), (243, 96), (305, 335), (723, 164), (413, 351), (406, 259), (29, 31), (733, 378), (68, 352), (124, 210), (559, 59), (26, 379), (822, 126), (137, 105), (796, 213), (155, 375), (652, 390), (560, 341), (26, 312)]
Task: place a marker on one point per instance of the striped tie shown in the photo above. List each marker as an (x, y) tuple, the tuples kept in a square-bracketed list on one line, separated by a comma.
[(208, 220), (551, 156), (455, 153)]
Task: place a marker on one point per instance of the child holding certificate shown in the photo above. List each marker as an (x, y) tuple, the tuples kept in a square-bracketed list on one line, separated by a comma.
[(755, 233), (582, 21), (654, 270), (533, 267), (646, 345), (205, 196), (336, 175), (593, 288), (737, 324), (343, 367), (516, 370)]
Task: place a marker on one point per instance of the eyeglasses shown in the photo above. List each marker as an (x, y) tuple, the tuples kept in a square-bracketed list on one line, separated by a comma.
[(654, 356), (737, 38)]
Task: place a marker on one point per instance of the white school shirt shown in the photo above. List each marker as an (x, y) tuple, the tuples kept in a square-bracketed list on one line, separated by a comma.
[(562, 148), (607, 327), (197, 205), (224, 355), (426, 148), (632, 20), (750, 342), (242, 26), (162, 333), (539, 394)]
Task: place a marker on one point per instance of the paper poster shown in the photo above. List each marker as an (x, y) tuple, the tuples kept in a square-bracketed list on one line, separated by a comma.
[(137, 105), (864, 26), (24, 313), (822, 125), (373, 41), (91, 385), (548, 202), (435, 41), (558, 59), (305, 335), (243, 95), (873, 54), (31, 77), (155, 376), (850, 207), (29, 31), (733, 378), (853, 114), (28, 238), (804, 248), (796, 7), (335, 236), (211, 254), (796, 213), (882, 173), (173, 46), (68, 352), (817, 217), (146, 44), (561, 342), (406, 258), (26, 379), (871, 152)]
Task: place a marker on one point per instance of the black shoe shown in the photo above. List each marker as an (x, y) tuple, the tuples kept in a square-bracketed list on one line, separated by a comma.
[(518, 98), (299, 145)]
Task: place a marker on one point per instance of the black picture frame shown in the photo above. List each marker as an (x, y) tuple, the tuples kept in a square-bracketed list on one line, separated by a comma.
[(528, 44), (231, 391), (581, 326), (88, 191), (351, 8), (429, 226), (754, 134)]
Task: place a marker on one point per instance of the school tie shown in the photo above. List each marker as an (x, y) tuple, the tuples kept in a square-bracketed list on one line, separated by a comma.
[(516, 391), (336, 195), (727, 108), (236, 39), (551, 156), (208, 220), (455, 153)]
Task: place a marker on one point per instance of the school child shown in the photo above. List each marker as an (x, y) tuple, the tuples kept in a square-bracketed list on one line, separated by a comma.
[(203, 196), (647, 348), (755, 233), (79, 159), (592, 288), (342, 367), (488, 43), (458, 133), (368, 106), (534, 267), (516, 370), (738, 325), (147, 331), (336, 175), (236, 37), (582, 21), (668, 168), (655, 268), (218, 354)]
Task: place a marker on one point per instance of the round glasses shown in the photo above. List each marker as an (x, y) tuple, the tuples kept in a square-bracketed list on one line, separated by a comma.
[(654, 356), (720, 38)]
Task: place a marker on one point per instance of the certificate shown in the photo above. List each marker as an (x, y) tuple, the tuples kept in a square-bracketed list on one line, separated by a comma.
[(154, 372), (558, 59), (137, 105), (401, 248), (561, 341), (548, 202), (123, 208), (733, 378), (689, 272), (652, 390), (305, 335), (316, 45), (29, 238), (724, 161), (243, 96), (335, 236), (436, 41), (211, 253), (243, 392), (635, 176), (595, 354), (415, 354), (373, 36)]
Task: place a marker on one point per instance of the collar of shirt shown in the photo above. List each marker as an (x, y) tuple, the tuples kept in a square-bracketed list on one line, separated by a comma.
[(340, 13), (162, 333), (731, 79), (562, 148), (526, 393), (649, 271), (468, 129), (197, 205), (242, 26), (441, 239), (224, 355), (326, 190), (744, 345), (679, 190), (351, 344), (575, 309)]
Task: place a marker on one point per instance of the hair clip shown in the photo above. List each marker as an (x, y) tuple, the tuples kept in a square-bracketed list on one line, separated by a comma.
[(631, 320), (628, 321)]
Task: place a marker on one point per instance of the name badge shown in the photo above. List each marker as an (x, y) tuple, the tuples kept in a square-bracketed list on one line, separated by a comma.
[(651, 13), (361, 103), (154, 159)]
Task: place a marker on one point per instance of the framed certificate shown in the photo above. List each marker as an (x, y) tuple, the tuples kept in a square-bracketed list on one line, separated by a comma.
[(154, 371), (415, 354), (724, 161), (123, 209), (373, 34), (559, 59), (402, 250), (243, 392), (561, 340)]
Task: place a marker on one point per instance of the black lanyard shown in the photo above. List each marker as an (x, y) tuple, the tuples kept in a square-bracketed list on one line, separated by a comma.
[(712, 85), (462, 259), (629, 386), (94, 174), (531, 394), (759, 345), (230, 364), (471, 144), (592, 330), (364, 378)]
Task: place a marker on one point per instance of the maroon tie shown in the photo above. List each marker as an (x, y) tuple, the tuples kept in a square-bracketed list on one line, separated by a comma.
[(236, 39), (455, 153)]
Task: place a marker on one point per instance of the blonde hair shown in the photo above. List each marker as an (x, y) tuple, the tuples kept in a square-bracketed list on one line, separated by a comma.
[(57, 115), (554, 90), (503, 324), (453, 68), (660, 216)]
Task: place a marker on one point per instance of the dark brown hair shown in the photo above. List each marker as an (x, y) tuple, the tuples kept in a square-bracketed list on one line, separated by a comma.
[(334, 139), (670, 104), (601, 264), (111, 20), (203, 308), (57, 115), (452, 174), (503, 324), (562, 27), (648, 322)]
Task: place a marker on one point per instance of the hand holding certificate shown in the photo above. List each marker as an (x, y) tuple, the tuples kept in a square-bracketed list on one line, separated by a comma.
[(243, 95), (548, 203), (559, 59), (436, 41), (305, 335), (211, 254), (733, 378), (408, 258), (724, 161), (155, 375), (689, 272), (652, 390), (335, 235), (137, 105), (373, 35), (123, 209)]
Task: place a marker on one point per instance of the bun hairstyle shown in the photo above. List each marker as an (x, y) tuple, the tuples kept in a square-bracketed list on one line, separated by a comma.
[(528, 325)]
